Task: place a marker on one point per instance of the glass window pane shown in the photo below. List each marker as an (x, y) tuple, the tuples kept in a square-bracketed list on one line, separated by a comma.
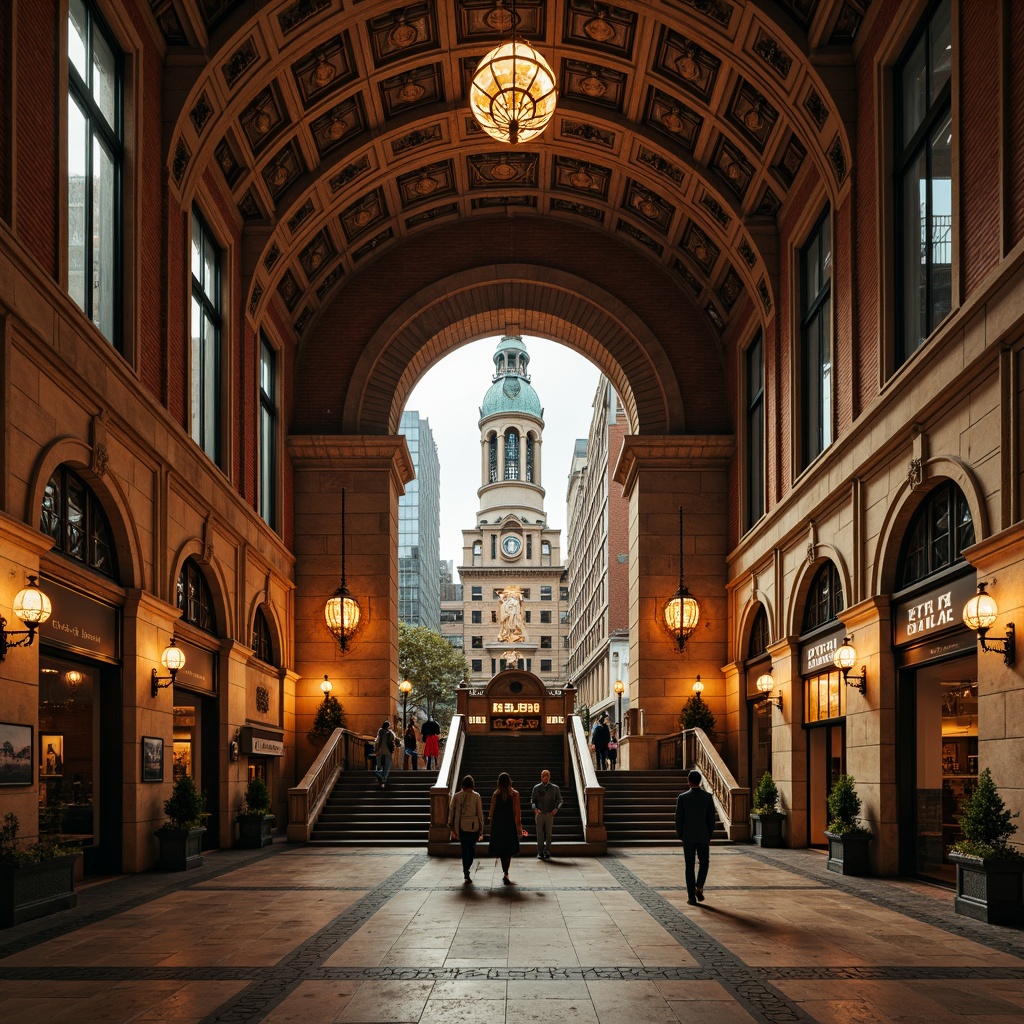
[(210, 418), (197, 250), (76, 37), (914, 89), (210, 271), (104, 271), (104, 78), (914, 185), (940, 50), (941, 227), (826, 249), (195, 404), (77, 216), (826, 373)]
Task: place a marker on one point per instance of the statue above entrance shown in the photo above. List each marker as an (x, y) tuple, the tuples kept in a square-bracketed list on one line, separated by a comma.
[(510, 615)]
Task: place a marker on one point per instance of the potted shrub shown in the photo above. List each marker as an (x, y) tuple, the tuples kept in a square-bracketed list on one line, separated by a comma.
[(696, 714), (182, 837), (330, 715), (989, 872), (255, 820), (765, 817), (847, 838), (35, 879)]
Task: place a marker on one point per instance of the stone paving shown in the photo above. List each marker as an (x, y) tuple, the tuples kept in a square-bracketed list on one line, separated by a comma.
[(317, 934)]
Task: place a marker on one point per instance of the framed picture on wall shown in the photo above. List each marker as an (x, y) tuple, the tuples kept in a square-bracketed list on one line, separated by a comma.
[(15, 754), (51, 749), (152, 759)]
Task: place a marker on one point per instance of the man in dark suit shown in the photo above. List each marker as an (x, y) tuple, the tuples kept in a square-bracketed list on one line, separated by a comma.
[(695, 822)]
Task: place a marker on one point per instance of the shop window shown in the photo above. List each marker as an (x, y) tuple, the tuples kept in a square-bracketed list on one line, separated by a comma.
[(816, 340), (940, 530), (194, 597), (755, 432), (204, 403), (923, 186), (74, 518), (759, 635), (268, 433), (261, 645), (95, 169), (825, 598), (824, 697)]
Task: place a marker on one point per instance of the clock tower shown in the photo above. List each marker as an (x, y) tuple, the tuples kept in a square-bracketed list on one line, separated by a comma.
[(514, 583)]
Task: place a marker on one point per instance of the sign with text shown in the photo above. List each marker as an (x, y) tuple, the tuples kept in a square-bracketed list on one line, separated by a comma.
[(199, 671), (80, 623), (932, 612), (260, 743), (817, 655)]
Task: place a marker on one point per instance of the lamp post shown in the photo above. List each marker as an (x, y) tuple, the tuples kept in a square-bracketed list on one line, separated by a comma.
[(406, 687), (620, 688)]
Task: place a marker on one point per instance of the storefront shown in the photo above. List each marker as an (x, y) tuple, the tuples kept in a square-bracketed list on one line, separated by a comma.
[(261, 747), (937, 722), (80, 719)]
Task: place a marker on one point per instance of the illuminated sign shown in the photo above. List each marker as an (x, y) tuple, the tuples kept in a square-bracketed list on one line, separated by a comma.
[(508, 707)]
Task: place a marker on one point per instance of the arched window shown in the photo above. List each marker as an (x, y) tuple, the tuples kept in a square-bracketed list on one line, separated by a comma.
[(261, 645), (529, 458), (825, 598), (940, 530), (759, 635), (492, 459), (74, 518), (512, 455), (194, 597)]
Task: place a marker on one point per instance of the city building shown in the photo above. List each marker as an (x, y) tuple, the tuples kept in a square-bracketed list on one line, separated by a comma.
[(451, 605), (419, 528), (598, 562), (234, 235), (514, 592)]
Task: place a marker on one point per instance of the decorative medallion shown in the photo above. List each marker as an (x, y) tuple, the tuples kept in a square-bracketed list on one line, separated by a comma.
[(772, 54), (700, 247), (363, 214), (227, 162), (658, 163), (339, 124), (324, 69), (262, 700), (273, 255), (747, 252), (599, 30), (600, 26), (502, 169), (673, 119), (288, 289), (579, 176), (200, 113), (428, 182), (685, 63), (730, 289), (769, 204), (241, 60), (316, 255), (511, 387), (249, 208), (420, 137)]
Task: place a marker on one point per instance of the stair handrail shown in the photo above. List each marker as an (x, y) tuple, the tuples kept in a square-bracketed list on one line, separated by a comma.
[(307, 799), (731, 799), (448, 782), (590, 790)]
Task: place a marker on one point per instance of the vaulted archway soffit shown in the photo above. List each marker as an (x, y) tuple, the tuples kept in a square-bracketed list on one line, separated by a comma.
[(338, 132)]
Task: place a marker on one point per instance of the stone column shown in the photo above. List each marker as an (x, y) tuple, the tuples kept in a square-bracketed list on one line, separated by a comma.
[(373, 471), (658, 475)]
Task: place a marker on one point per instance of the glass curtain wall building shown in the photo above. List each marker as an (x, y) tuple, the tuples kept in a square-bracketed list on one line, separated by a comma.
[(419, 529)]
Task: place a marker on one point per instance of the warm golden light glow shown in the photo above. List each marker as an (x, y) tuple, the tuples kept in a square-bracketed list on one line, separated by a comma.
[(173, 658), (846, 657), (765, 682), (682, 612), (512, 94), (342, 614), (405, 686), (31, 605), (981, 610), (698, 686), (326, 686)]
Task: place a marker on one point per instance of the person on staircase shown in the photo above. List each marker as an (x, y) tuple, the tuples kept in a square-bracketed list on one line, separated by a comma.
[(384, 748), (466, 823), (410, 740), (695, 823), (545, 800), (599, 739), (431, 733), (506, 824), (613, 748)]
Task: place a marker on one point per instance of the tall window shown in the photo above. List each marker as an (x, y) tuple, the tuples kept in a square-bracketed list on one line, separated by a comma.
[(940, 530), (492, 459), (512, 455), (529, 458), (95, 167), (268, 432), (205, 403), (262, 646), (74, 518), (755, 432), (194, 597), (825, 599), (759, 634), (924, 187), (816, 340)]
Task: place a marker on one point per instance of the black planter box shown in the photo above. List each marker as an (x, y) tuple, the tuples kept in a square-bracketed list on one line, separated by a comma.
[(766, 829), (255, 831), (28, 891), (848, 853), (180, 848), (989, 889)]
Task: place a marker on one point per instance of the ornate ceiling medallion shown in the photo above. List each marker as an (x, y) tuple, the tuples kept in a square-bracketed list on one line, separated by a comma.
[(599, 30)]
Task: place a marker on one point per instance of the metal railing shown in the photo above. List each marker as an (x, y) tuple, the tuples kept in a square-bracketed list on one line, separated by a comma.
[(449, 779), (591, 793), (692, 749), (306, 800)]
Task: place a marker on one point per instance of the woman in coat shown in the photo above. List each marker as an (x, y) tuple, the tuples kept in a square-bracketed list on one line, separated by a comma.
[(506, 824), (466, 822)]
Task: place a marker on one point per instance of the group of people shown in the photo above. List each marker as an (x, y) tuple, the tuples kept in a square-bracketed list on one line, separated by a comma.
[(466, 821), (604, 741), (380, 753)]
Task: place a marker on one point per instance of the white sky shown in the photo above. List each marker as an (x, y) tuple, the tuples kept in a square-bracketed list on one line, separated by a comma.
[(449, 396)]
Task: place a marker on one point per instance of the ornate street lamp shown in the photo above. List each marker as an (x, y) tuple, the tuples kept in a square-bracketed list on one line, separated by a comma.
[(33, 607), (406, 687), (844, 659), (342, 611), (172, 659), (765, 684), (682, 612), (620, 689), (979, 614)]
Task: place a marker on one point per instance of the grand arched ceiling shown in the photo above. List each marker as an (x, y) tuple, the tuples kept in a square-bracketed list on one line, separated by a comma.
[(340, 129)]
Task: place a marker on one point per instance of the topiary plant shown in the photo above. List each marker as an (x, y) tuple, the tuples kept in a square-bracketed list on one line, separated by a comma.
[(765, 799), (186, 805), (329, 716), (844, 807), (696, 714), (583, 710), (986, 823), (257, 798)]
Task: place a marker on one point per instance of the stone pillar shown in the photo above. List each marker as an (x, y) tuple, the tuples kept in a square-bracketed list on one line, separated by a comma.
[(373, 471), (789, 740), (658, 475)]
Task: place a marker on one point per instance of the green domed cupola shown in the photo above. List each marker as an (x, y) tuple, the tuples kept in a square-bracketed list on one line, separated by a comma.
[(511, 391)]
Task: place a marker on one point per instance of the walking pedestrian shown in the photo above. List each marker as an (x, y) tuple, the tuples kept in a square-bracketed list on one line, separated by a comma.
[(384, 747), (613, 748), (430, 732), (506, 824), (695, 822), (466, 822), (410, 742), (545, 800), (599, 739)]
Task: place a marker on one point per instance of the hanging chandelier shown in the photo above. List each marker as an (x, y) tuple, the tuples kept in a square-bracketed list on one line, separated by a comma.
[(512, 94)]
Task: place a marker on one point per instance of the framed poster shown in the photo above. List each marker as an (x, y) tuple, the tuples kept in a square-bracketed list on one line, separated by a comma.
[(152, 759), (51, 749), (16, 749)]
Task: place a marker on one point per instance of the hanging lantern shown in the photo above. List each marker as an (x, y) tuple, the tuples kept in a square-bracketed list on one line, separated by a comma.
[(512, 94)]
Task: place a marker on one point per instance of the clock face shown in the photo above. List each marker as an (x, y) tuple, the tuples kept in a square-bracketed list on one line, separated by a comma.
[(511, 546)]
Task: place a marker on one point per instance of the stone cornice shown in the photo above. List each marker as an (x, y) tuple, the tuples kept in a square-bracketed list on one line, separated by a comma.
[(671, 453), (321, 451)]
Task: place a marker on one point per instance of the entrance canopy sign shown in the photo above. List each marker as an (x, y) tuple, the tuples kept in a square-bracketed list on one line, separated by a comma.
[(935, 611)]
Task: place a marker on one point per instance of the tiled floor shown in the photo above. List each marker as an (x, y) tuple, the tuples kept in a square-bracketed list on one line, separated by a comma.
[(312, 934)]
